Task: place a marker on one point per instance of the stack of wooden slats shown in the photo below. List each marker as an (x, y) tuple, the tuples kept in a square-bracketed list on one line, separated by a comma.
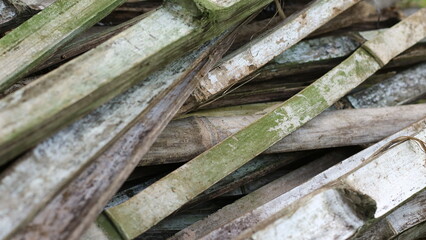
[(212, 119)]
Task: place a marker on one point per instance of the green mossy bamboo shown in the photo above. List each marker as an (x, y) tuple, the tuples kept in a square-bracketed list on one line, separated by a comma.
[(99, 75), (191, 179), (38, 38)]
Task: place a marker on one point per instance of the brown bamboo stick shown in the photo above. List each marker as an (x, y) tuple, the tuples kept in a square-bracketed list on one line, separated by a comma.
[(185, 138)]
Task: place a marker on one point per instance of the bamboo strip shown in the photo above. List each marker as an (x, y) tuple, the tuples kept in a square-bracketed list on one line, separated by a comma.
[(110, 69), (34, 41), (259, 52), (186, 138), (191, 179)]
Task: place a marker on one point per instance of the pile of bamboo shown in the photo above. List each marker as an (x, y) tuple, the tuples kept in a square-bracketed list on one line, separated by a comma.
[(211, 119)]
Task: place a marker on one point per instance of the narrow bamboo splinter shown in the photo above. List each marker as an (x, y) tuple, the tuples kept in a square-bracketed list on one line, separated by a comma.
[(191, 179)]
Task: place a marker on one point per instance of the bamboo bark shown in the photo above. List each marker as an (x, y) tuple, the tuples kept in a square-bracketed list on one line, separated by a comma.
[(186, 138), (191, 179), (34, 41), (401, 89), (110, 69)]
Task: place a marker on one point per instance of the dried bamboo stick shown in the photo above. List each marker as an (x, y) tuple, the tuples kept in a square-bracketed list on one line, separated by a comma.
[(108, 171), (254, 200), (263, 49), (111, 68), (264, 207), (34, 41), (186, 138), (192, 178)]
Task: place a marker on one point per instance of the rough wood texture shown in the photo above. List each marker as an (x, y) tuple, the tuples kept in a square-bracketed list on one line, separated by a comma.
[(186, 138), (194, 177), (265, 48), (400, 89), (57, 160), (34, 41), (108, 171), (110, 69), (261, 212)]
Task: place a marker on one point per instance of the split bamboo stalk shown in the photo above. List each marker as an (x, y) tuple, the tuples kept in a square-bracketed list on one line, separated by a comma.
[(405, 217), (55, 163), (112, 68), (34, 41), (382, 182), (263, 49), (253, 200), (186, 138), (255, 208), (400, 89), (194, 177), (108, 171), (164, 227)]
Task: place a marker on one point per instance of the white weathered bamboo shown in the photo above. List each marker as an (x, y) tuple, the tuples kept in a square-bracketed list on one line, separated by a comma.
[(264, 207), (186, 138), (111, 68), (260, 51), (405, 217), (45, 169), (379, 184), (34, 41), (191, 179), (330, 214)]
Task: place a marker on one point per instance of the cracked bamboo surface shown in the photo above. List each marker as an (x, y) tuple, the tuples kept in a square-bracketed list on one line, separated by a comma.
[(110, 69), (188, 181)]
